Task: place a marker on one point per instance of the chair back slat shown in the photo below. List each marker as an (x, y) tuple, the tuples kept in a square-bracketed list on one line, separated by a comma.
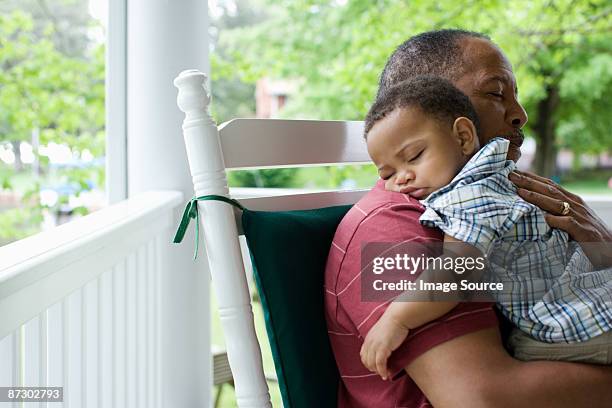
[(291, 143), (305, 201)]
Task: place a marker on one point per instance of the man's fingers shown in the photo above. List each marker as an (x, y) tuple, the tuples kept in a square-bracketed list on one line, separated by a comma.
[(565, 223), (542, 185), (537, 186), (549, 181), (575, 227), (552, 205), (534, 176), (581, 223)]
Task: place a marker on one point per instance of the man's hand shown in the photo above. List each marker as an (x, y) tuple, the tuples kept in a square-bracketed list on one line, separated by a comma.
[(581, 223), (384, 337)]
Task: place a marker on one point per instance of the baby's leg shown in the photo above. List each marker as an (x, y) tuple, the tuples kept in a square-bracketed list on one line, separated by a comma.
[(597, 350)]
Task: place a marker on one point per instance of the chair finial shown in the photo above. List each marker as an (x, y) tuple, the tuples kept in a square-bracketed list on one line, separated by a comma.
[(193, 95)]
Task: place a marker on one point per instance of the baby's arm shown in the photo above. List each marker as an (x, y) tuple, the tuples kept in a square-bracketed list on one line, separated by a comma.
[(390, 331)]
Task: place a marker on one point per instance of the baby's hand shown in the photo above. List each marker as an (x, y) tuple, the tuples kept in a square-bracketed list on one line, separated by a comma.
[(391, 185), (384, 337)]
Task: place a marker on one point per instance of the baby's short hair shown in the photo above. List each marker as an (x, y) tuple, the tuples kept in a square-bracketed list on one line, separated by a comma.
[(435, 96)]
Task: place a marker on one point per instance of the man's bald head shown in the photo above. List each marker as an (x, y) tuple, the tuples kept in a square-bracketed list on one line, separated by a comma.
[(437, 53)]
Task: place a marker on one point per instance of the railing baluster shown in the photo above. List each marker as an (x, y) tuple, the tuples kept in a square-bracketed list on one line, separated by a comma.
[(120, 342), (91, 366), (83, 341), (105, 339), (140, 322), (54, 347), (7, 362), (18, 360), (131, 330), (157, 322), (136, 314), (137, 334), (66, 352), (31, 356), (43, 341), (150, 313), (75, 349)]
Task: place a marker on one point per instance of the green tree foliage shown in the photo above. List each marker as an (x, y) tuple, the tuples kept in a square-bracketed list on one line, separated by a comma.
[(561, 51), (44, 89), (233, 98), (69, 21), (52, 85), (263, 178)]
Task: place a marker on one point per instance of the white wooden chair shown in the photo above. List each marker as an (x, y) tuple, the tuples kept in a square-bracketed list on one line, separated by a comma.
[(252, 143)]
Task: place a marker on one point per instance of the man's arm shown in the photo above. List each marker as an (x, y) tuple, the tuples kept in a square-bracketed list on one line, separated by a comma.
[(581, 223), (475, 371)]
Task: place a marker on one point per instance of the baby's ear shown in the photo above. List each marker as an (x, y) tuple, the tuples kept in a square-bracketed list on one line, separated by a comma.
[(465, 133)]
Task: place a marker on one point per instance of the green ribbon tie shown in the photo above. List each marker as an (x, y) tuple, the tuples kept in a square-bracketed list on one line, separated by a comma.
[(191, 211)]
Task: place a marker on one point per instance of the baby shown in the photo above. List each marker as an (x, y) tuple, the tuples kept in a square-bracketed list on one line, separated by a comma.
[(423, 137)]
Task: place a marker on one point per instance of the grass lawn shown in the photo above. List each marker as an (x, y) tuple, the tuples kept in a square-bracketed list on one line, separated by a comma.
[(588, 181), (228, 399), (598, 187)]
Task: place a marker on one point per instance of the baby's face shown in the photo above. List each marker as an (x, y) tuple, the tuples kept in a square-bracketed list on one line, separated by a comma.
[(416, 154)]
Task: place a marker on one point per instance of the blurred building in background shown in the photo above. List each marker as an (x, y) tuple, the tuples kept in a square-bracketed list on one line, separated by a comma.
[(271, 95)]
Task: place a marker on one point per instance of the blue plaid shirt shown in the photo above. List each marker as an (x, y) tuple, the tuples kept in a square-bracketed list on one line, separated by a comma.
[(550, 290)]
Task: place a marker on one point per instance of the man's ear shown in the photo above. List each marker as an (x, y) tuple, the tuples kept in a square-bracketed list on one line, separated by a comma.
[(465, 133)]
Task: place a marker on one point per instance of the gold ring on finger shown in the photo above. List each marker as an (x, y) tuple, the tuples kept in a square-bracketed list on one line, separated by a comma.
[(566, 208)]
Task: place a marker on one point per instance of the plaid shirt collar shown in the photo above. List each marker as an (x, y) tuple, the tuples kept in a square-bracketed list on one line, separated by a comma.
[(490, 159)]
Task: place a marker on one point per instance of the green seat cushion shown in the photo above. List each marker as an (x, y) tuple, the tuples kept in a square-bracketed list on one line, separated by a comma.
[(289, 251)]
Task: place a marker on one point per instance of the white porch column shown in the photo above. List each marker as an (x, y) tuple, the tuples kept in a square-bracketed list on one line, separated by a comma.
[(165, 38)]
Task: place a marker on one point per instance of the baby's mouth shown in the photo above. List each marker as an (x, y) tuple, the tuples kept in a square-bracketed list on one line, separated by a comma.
[(416, 192)]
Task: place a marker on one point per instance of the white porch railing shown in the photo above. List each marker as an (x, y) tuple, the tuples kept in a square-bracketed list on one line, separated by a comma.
[(80, 305)]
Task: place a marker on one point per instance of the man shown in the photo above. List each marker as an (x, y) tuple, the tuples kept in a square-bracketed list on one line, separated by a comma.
[(457, 360)]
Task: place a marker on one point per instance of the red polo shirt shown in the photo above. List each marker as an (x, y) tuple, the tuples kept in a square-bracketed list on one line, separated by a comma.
[(382, 216)]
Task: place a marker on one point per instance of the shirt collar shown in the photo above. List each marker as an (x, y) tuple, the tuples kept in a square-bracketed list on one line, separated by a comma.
[(490, 159)]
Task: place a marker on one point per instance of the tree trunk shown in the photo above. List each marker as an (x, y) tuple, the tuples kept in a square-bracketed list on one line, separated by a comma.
[(18, 165), (546, 152)]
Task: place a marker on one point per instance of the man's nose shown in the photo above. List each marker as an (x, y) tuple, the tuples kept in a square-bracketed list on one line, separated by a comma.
[(516, 114)]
